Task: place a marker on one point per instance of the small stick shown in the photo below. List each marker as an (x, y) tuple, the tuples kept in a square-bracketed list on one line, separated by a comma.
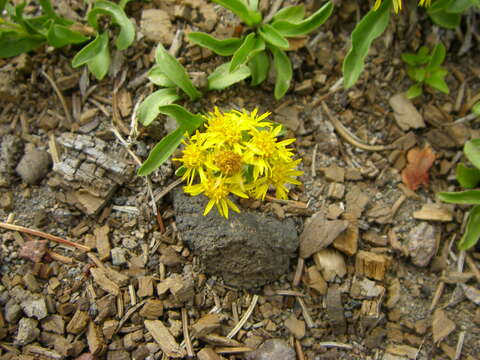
[(348, 136), (244, 318), (60, 96), (461, 340), (128, 314), (397, 204), (437, 295), (186, 334), (471, 264), (133, 298), (167, 189), (298, 348), (289, 293), (56, 256), (305, 313), (232, 350), (298, 272), (44, 235), (332, 344), (314, 161)]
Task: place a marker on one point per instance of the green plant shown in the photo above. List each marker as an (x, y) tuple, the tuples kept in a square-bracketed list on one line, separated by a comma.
[(252, 54), (446, 13), (469, 178), (96, 54), (19, 33), (425, 68)]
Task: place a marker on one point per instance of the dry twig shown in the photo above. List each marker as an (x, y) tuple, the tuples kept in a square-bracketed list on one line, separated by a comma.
[(186, 334), (44, 235), (244, 318)]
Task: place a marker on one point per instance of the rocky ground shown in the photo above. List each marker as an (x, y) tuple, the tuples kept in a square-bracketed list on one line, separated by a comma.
[(356, 265)]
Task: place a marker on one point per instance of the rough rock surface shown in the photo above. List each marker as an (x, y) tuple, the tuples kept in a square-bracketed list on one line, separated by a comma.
[(248, 250), (27, 331), (273, 349), (33, 166), (11, 149), (422, 244), (156, 26)]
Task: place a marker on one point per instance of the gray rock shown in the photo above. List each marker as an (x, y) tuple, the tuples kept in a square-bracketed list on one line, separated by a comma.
[(12, 311), (248, 250), (273, 349), (118, 256), (27, 331), (33, 166), (35, 307), (422, 244), (10, 152), (156, 26)]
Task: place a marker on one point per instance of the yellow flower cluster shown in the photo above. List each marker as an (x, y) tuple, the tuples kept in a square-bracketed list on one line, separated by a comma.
[(397, 4), (238, 153)]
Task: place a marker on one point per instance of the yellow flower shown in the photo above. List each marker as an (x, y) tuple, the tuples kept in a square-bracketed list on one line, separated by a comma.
[(397, 4), (239, 153), (217, 189), (194, 157)]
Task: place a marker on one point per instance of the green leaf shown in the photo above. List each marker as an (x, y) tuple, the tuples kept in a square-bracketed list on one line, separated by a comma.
[(410, 59), (283, 69), (226, 47), (438, 55), (242, 10), (259, 66), (414, 91), (289, 29), (50, 12), (241, 55), (12, 44), (467, 177), (157, 76), (2, 5), (445, 19), (459, 6), (292, 14), (185, 119), (222, 78), (253, 4), (469, 197), (476, 109), (161, 152), (149, 108), (273, 37), (472, 230), (367, 30), (472, 152), (58, 36), (439, 5), (416, 73), (175, 72), (437, 81), (127, 29), (96, 55)]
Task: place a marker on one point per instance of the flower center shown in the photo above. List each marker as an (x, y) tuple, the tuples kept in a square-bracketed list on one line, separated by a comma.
[(228, 162)]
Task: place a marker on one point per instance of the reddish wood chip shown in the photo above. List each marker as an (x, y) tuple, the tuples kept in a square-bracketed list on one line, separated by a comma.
[(419, 163), (34, 250)]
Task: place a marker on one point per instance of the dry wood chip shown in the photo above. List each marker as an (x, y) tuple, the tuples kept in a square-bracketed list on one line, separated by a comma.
[(164, 338), (96, 343), (41, 351), (102, 242), (419, 163), (347, 241), (335, 310), (104, 282), (218, 340), (208, 354), (319, 233), (405, 113), (152, 309), (442, 326), (206, 325), (314, 280), (330, 263), (145, 286), (472, 294), (295, 326), (371, 265), (79, 322), (434, 212), (402, 350)]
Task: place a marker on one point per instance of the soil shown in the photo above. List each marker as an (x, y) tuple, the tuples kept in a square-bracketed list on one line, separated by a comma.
[(425, 312)]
